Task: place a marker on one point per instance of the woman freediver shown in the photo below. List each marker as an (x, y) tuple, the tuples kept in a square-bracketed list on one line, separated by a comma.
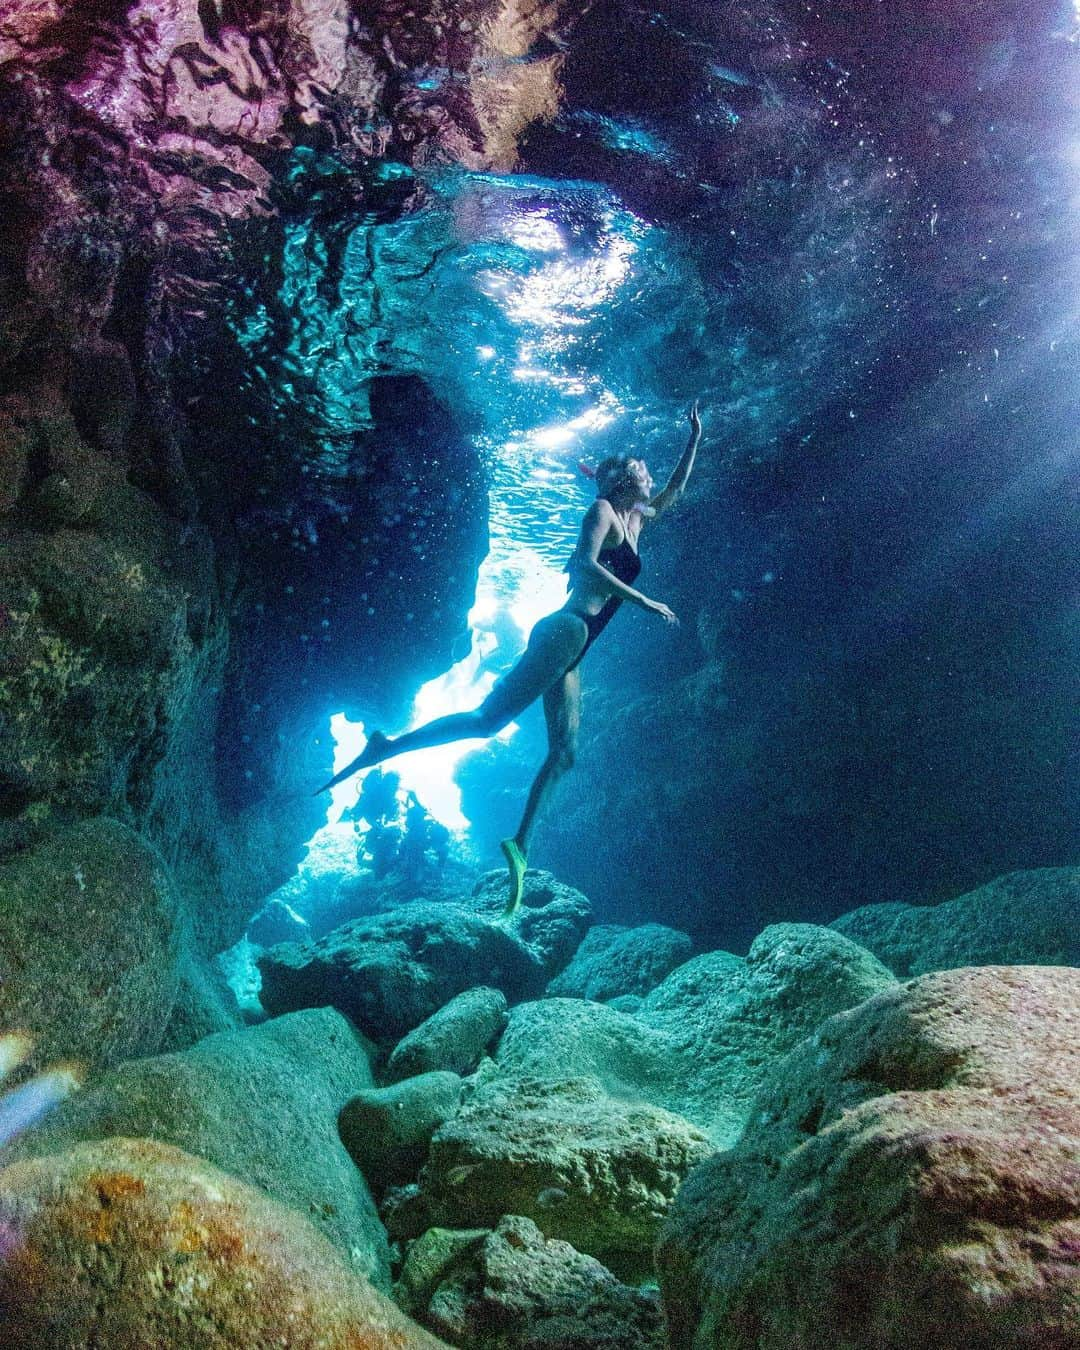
[(603, 567)]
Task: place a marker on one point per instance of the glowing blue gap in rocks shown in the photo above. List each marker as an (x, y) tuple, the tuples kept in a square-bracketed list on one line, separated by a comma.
[(519, 581), (512, 593), (529, 281)]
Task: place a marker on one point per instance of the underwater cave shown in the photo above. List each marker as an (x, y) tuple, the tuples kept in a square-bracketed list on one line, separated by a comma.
[(708, 979)]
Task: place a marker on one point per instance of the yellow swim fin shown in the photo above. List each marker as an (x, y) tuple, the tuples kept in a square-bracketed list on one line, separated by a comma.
[(515, 860)]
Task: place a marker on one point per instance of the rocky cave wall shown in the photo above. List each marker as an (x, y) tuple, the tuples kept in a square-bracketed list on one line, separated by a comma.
[(192, 577), (213, 538)]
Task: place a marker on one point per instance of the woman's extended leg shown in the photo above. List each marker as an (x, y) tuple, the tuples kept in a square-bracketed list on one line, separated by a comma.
[(555, 642), (562, 710)]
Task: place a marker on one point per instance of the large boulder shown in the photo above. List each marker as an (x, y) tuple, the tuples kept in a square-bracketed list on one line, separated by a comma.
[(729, 1020), (514, 1289), (596, 1171), (387, 1130), (455, 1038), (91, 935), (613, 961), (701, 1042), (1024, 918), (390, 972), (908, 1177), (262, 1104), (132, 1244)]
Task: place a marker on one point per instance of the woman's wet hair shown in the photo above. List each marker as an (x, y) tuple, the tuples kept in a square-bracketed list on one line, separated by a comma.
[(612, 473)]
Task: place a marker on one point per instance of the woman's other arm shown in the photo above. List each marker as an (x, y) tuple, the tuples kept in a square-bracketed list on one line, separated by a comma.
[(586, 559)]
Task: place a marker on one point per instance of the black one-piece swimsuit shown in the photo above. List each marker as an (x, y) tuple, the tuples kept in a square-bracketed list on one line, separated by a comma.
[(624, 563)]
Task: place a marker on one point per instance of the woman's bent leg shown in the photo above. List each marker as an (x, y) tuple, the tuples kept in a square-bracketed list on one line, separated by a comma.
[(562, 709)]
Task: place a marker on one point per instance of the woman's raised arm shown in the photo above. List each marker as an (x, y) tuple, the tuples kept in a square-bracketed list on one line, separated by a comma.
[(673, 489)]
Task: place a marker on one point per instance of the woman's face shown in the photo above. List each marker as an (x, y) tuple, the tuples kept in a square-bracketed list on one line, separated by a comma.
[(639, 473)]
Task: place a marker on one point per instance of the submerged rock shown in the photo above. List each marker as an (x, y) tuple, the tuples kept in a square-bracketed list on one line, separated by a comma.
[(1028, 918), (701, 1043), (277, 922), (454, 1038), (390, 972), (551, 920), (614, 961), (90, 940), (262, 1104), (908, 1177), (129, 1243), (387, 1130), (205, 1005), (729, 1023), (514, 1289), (586, 1167)]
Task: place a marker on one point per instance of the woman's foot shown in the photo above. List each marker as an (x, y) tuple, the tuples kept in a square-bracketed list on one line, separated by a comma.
[(373, 753), (515, 860)]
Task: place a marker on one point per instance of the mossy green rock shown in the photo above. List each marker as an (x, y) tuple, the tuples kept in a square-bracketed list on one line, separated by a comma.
[(593, 1170), (1026, 918), (133, 1245), (262, 1104), (90, 942), (387, 1130), (909, 1177)]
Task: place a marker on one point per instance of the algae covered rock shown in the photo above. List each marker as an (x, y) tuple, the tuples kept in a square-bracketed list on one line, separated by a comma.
[(130, 1244), (387, 1130), (576, 1038), (390, 972), (551, 920), (455, 1038), (586, 1167), (613, 961), (514, 1289), (1024, 918), (262, 1104), (90, 940), (909, 1177)]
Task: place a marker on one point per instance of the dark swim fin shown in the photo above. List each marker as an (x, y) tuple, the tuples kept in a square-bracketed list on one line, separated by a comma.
[(372, 753), (515, 860)]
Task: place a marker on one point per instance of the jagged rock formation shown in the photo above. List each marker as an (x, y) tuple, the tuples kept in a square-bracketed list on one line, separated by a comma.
[(194, 568), (908, 1177), (514, 1289)]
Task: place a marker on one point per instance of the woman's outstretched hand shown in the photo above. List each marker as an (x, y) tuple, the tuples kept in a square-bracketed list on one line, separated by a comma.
[(695, 420), (657, 607)]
